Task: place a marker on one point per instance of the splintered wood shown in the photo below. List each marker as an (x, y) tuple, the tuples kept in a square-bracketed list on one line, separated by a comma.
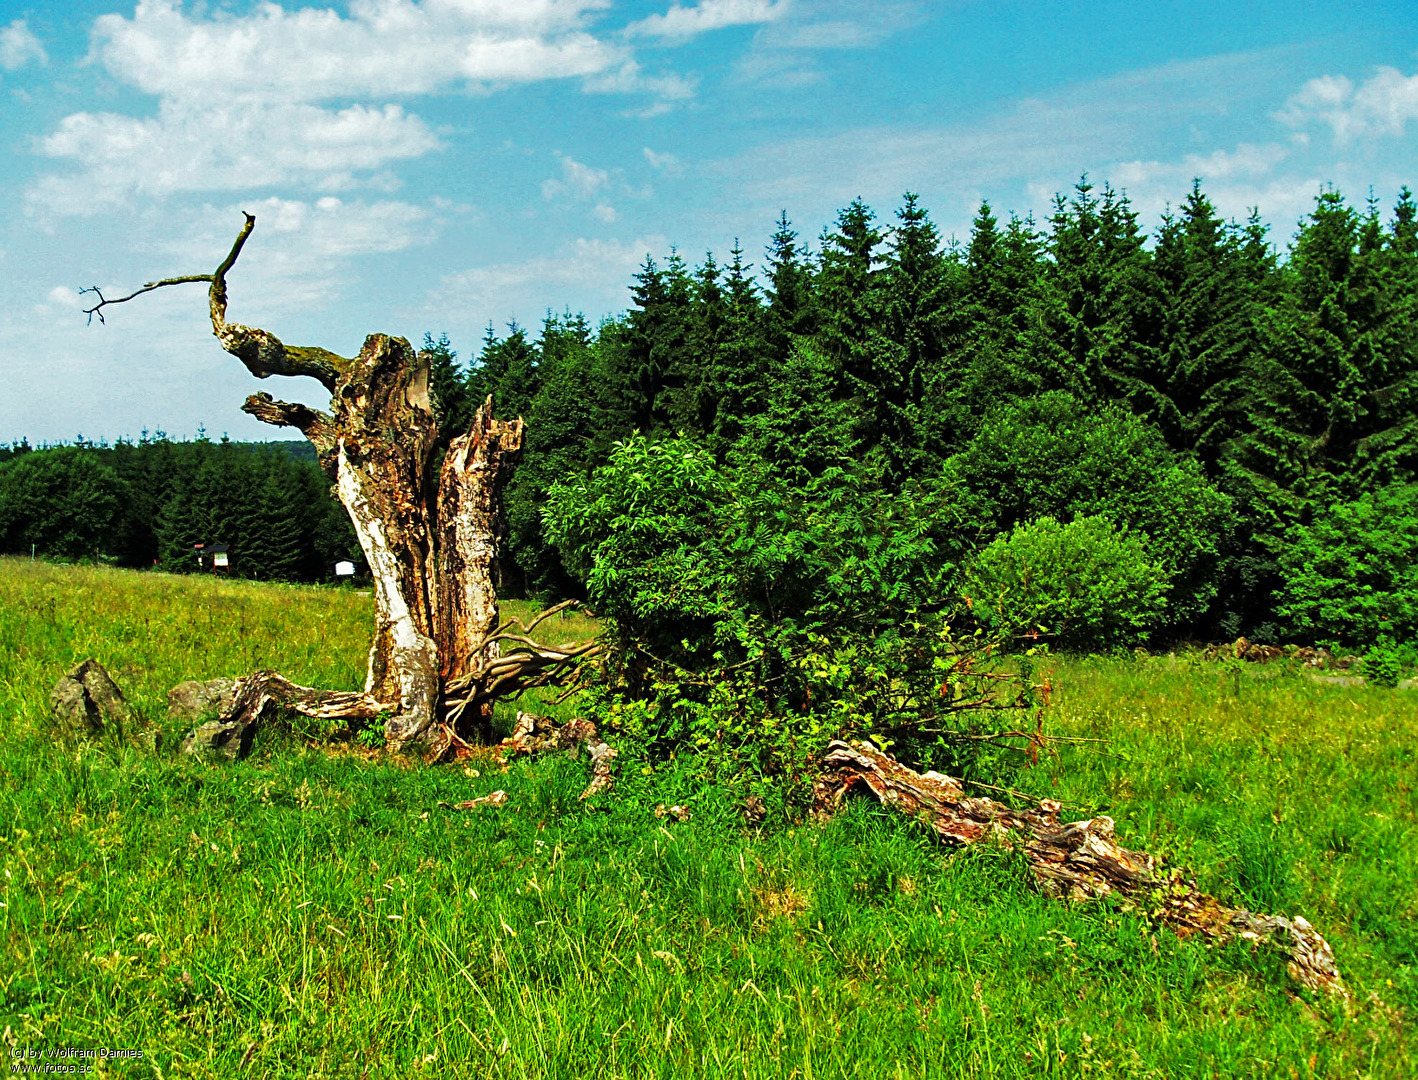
[(1073, 860)]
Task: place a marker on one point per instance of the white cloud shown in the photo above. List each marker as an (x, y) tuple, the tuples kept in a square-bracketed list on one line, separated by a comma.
[(604, 212), (61, 300), (1035, 145), (225, 147), (682, 23), (1245, 162), (665, 163), (577, 180), (384, 47), (784, 52), (629, 77), (249, 102), (1381, 105), (19, 46), (296, 258)]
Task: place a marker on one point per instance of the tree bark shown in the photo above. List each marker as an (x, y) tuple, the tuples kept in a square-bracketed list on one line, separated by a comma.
[(1077, 860)]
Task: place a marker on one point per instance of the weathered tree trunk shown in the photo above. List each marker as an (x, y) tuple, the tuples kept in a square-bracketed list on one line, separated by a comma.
[(437, 660), (474, 472), (1077, 860)]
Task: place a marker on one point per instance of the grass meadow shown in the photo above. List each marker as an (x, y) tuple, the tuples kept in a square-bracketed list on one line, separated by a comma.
[(317, 913)]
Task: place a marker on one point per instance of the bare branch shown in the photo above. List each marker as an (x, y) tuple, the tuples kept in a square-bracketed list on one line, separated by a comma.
[(103, 302), (315, 425), (262, 352), (527, 628)]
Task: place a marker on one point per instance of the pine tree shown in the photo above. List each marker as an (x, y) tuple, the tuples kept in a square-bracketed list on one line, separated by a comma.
[(275, 522), (1211, 286), (993, 334), (850, 302), (696, 405), (568, 429), (180, 523), (1332, 397), (738, 383), (1102, 316), (657, 346), (916, 299)]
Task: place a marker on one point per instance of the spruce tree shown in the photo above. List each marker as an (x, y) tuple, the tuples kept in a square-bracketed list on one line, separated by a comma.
[(993, 334), (789, 291), (1332, 395), (850, 301), (1102, 315), (918, 292), (657, 346), (1210, 297), (738, 382)]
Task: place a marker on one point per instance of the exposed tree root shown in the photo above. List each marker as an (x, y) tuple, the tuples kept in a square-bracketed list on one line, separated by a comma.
[(262, 694), (1074, 860)]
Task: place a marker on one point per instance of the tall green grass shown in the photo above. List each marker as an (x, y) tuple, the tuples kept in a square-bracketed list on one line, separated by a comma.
[(309, 913)]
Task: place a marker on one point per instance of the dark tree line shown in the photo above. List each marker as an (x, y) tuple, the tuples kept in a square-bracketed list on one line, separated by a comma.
[(1249, 417), (147, 503), (1217, 398)]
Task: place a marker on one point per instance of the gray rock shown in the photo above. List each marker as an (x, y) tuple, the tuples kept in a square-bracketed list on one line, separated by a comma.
[(219, 740), (87, 700), (195, 701)]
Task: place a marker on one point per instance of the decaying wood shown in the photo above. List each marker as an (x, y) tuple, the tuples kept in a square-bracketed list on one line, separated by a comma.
[(535, 734), (1074, 860), (439, 655), (262, 694), (475, 469), (507, 656)]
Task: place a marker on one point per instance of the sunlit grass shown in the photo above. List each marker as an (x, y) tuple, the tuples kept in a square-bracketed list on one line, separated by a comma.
[(306, 913)]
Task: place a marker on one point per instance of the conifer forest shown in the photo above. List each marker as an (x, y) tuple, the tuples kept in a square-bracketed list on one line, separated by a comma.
[(1097, 435)]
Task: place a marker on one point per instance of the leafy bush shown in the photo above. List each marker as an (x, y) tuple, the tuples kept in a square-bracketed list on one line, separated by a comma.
[(1384, 663), (1052, 456), (1352, 573), (751, 622), (1087, 584)]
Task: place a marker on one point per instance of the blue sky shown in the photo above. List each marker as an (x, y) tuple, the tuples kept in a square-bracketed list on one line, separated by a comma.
[(433, 165)]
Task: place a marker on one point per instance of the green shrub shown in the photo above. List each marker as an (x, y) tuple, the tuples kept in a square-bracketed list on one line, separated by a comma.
[(1053, 456), (1352, 573), (1087, 584), (750, 622), (1384, 663)]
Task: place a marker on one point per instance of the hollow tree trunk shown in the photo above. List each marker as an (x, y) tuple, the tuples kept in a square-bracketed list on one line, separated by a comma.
[(431, 543), (436, 662), (475, 470)]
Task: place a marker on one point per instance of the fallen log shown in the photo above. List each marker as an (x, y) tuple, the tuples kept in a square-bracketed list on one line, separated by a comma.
[(1073, 860)]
